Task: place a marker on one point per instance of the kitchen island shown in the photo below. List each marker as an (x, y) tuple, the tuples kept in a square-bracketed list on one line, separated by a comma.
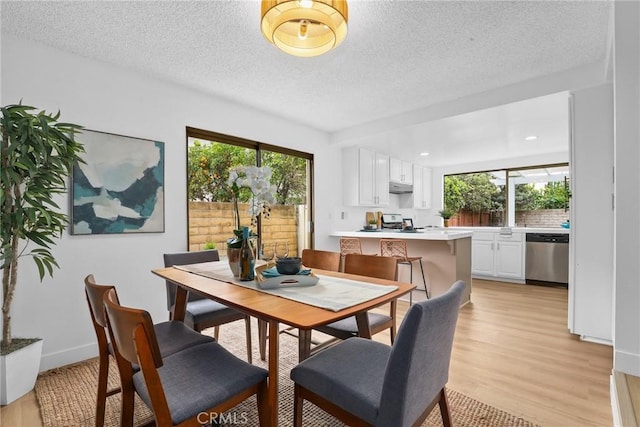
[(446, 256)]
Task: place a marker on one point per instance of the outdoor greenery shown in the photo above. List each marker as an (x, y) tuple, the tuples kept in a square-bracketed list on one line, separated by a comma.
[(473, 192), (554, 195), (477, 193), (37, 154), (209, 165)]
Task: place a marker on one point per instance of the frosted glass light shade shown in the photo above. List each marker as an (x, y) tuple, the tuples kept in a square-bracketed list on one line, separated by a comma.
[(304, 27)]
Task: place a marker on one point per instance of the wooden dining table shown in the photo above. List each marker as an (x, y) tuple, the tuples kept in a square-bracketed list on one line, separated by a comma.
[(274, 310)]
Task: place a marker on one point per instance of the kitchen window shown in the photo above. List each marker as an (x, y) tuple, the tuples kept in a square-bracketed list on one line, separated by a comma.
[(536, 196)]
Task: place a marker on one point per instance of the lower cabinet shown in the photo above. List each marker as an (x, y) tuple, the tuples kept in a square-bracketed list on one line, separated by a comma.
[(499, 256)]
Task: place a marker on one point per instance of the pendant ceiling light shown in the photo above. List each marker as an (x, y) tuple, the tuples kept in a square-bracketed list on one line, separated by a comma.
[(305, 27)]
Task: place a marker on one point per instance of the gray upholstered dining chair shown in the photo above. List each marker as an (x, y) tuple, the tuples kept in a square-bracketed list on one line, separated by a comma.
[(190, 387), (367, 383), (201, 312), (172, 337), (370, 266)]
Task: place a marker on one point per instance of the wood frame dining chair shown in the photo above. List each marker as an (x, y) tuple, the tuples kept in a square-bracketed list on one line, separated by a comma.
[(367, 383), (324, 260), (370, 266), (311, 258), (172, 337), (201, 312), (397, 248), (179, 388)]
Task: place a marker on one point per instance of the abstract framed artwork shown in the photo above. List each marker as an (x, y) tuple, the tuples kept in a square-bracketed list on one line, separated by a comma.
[(120, 187)]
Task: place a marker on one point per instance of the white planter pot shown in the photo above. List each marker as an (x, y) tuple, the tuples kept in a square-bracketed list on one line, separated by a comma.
[(18, 372)]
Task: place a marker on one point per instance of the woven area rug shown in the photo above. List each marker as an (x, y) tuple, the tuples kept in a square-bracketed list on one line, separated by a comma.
[(67, 395)]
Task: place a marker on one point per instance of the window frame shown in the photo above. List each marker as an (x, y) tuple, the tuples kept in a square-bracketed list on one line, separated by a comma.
[(258, 146), (508, 221)]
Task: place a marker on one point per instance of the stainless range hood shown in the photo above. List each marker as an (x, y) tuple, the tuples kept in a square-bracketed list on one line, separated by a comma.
[(397, 188)]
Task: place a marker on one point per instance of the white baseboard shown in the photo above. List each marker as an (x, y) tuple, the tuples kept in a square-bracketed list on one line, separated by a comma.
[(499, 279), (628, 363), (596, 340), (68, 356)]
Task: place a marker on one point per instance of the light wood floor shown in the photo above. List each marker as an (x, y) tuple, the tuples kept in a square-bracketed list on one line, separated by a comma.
[(512, 350)]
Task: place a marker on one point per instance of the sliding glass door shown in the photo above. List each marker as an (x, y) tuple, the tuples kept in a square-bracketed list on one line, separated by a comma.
[(283, 228)]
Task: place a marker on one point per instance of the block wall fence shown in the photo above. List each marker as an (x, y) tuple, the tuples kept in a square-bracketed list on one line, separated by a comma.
[(214, 222)]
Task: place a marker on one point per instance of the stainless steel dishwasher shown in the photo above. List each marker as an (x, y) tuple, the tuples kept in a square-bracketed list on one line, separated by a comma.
[(547, 260)]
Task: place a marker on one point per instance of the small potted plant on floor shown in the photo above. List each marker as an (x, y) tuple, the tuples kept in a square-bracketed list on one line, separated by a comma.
[(446, 215), (37, 154)]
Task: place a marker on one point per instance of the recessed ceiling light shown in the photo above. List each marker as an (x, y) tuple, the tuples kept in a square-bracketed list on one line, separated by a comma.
[(424, 154), (531, 138)]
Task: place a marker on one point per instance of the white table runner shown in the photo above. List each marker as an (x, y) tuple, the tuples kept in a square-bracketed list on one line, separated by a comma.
[(331, 293)]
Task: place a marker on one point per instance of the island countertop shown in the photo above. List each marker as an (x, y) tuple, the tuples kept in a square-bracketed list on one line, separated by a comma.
[(446, 256), (427, 234)]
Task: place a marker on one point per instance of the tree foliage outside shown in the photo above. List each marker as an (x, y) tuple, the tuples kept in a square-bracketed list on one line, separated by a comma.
[(527, 197), (475, 192), (555, 195), (454, 193), (209, 164), (289, 175)]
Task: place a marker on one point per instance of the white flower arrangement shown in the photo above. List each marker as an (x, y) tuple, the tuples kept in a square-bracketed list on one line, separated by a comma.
[(257, 180)]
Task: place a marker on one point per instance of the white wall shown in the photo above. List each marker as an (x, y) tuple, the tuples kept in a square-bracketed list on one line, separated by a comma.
[(627, 158), (106, 98)]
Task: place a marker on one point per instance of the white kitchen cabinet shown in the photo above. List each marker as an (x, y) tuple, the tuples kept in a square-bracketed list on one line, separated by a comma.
[(421, 196), (591, 246), (509, 259), (497, 255), (365, 177), (400, 171)]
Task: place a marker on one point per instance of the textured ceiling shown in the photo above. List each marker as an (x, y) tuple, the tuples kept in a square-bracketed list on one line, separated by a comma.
[(399, 56)]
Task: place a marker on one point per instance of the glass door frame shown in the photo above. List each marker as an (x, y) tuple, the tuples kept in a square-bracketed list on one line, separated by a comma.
[(206, 135)]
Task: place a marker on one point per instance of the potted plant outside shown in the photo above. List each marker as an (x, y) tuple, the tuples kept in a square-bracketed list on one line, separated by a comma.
[(446, 215), (37, 154)]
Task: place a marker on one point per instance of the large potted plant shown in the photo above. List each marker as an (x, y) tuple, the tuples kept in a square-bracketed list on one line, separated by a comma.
[(37, 154)]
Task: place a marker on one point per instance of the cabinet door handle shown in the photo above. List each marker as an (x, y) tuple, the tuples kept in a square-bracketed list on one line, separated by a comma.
[(491, 245), (498, 245)]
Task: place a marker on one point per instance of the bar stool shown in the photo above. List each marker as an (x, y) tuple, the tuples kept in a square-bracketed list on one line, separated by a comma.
[(349, 245), (398, 249)]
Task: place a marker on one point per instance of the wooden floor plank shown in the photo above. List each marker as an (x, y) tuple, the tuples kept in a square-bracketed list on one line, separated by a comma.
[(512, 350)]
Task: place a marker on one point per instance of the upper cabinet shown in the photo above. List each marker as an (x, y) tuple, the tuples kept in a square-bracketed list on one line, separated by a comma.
[(400, 171), (365, 176), (421, 196)]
